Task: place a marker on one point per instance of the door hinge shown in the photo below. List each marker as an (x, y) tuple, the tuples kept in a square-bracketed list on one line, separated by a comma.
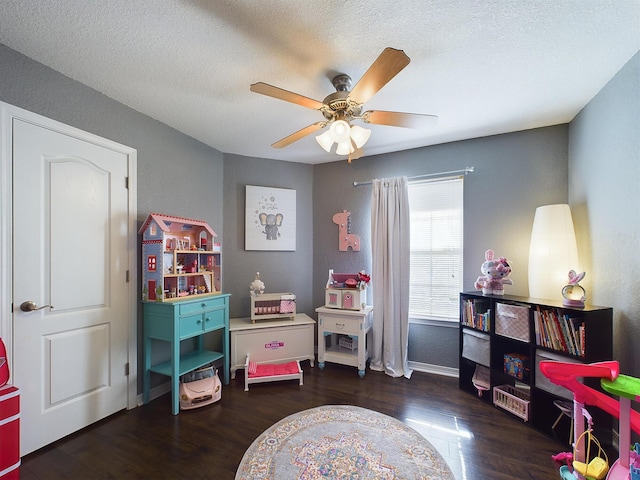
[(126, 369), (126, 183), (127, 276)]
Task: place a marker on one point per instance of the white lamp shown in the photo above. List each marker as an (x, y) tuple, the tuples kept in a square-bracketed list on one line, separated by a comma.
[(552, 252), (339, 131), (345, 148), (325, 140), (342, 133), (360, 135)]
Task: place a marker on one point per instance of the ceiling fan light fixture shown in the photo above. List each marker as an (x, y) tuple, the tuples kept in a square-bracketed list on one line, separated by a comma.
[(340, 131), (360, 135), (344, 148), (325, 141)]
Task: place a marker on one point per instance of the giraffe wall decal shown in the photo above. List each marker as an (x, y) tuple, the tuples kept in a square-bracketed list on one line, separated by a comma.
[(346, 239)]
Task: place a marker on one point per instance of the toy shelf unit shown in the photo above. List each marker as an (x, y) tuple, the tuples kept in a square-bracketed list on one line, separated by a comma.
[(503, 339), (268, 306), (180, 258)]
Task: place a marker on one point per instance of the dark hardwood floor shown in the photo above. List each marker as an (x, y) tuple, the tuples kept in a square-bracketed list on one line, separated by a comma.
[(477, 440)]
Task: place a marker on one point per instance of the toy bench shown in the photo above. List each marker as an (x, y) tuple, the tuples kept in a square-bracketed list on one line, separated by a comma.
[(255, 372)]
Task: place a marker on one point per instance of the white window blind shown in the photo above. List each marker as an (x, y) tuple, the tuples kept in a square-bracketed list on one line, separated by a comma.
[(436, 248)]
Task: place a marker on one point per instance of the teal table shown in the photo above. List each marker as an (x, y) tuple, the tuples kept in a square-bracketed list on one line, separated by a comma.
[(174, 321)]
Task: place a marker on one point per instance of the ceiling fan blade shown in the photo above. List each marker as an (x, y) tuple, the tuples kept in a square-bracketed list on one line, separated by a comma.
[(384, 68), (294, 137), (287, 96), (399, 119)]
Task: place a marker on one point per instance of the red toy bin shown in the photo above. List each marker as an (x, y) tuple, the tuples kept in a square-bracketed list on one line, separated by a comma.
[(9, 433)]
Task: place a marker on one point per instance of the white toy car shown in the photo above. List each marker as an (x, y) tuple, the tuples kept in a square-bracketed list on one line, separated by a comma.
[(199, 388)]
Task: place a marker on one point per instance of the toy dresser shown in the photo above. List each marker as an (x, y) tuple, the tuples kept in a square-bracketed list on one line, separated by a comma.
[(9, 432)]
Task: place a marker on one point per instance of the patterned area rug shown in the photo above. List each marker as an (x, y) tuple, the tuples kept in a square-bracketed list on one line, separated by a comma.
[(341, 442)]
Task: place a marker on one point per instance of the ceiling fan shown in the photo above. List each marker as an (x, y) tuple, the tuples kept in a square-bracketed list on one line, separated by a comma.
[(345, 105)]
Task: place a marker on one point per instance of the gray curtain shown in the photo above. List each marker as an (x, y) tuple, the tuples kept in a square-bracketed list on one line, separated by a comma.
[(390, 243)]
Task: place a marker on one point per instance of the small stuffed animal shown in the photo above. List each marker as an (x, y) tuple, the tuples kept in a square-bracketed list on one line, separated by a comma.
[(256, 287), (494, 275)]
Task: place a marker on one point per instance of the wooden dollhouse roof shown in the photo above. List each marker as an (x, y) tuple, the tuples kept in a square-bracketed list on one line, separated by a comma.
[(172, 224)]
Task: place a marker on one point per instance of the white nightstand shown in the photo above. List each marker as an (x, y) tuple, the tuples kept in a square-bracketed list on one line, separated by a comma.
[(354, 324)]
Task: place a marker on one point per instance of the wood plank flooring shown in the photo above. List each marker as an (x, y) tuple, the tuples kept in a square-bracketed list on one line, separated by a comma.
[(478, 441)]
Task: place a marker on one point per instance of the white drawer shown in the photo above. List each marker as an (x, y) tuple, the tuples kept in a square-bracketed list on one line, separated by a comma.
[(340, 325)]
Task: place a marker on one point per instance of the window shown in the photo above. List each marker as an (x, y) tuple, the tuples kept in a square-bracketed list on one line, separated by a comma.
[(436, 249)]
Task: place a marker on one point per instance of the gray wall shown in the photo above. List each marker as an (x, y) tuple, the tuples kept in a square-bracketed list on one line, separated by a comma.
[(176, 174), (596, 160), (604, 193), (280, 271), (514, 174)]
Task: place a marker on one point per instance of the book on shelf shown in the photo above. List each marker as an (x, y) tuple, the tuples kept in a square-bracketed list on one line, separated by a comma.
[(558, 331), (472, 318)]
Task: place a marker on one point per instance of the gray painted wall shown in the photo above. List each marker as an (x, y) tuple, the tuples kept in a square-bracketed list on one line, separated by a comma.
[(280, 271), (176, 174), (604, 193), (514, 174)]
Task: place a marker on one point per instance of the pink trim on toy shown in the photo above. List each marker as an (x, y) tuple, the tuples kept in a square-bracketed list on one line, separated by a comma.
[(270, 370), (565, 374), (255, 372)]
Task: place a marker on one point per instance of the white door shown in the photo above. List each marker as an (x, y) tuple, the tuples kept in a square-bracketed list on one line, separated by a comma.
[(70, 258)]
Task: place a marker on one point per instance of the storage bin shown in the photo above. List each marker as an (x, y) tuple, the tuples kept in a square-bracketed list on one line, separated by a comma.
[(475, 346), (481, 379), (543, 383), (512, 321), (516, 365), (512, 400), (348, 342)]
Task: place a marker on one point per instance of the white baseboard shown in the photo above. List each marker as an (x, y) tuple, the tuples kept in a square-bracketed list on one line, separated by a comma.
[(435, 369), (156, 392)]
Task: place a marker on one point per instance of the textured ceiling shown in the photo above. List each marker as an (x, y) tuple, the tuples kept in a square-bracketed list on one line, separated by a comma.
[(484, 67)]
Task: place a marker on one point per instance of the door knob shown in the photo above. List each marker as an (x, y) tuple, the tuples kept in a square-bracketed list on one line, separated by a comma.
[(30, 306)]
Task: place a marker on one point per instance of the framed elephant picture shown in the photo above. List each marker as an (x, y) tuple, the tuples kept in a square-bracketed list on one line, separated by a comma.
[(270, 219)]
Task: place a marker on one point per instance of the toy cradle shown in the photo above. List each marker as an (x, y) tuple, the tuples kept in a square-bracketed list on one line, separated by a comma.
[(255, 372)]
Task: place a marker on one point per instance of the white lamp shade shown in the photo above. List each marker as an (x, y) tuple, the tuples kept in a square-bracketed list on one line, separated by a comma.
[(345, 148), (552, 252), (325, 141), (340, 131), (360, 135)]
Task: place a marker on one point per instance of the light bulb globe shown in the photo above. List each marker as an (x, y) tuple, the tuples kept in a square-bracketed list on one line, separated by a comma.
[(340, 131)]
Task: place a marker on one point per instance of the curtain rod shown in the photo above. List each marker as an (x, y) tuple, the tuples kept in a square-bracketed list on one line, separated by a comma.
[(418, 177)]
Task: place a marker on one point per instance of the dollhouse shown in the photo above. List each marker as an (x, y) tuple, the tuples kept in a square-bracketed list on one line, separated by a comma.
[(180, 258)]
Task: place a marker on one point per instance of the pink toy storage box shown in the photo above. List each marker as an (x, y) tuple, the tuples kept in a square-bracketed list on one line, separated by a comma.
[(9, 433)]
